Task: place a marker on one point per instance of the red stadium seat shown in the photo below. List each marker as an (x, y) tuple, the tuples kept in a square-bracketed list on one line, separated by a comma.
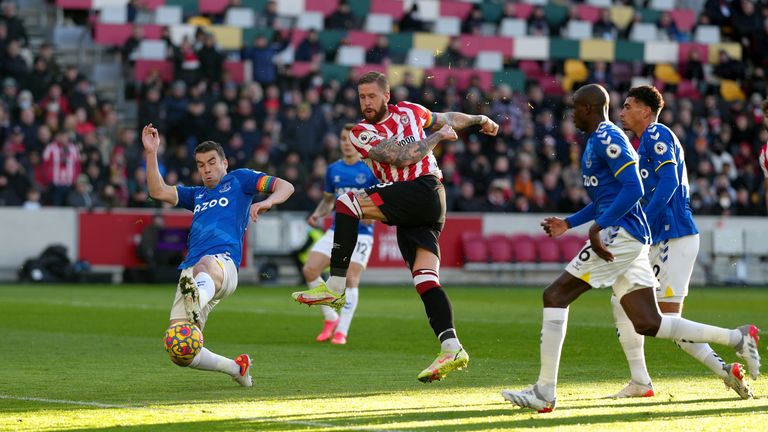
[(393, 8), (471, 45), (74, 4), (117, 34), (458, 9), (327, 7), (236, 70), (523, 247), (474, 248), (588, 13), (685, 48), (531, 68), (362, 39), (143, 68), (523, 10), (570, 245), (212, 6), (684, 19), (687, 90), (548, 249), (551, 86), (499, 248), (439, 76), (301, 69)]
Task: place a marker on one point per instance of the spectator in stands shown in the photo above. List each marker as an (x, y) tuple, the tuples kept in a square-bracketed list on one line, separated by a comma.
[(499, 196), (604, 28), (55, 101), (410, 22), (14, 65), (32, 201), (14, 25), (262, 55), (268, 18), (537, 23), (379, 53), (40, 78), (452, 56), (668, 29), (61, 166), (7, 194), (342, 18), (18, 181), (467, 200), (186, 63), (211, 59), (127, 51), (310, 49), (473, 24), (46, 53), (719, 12), (82, 195)]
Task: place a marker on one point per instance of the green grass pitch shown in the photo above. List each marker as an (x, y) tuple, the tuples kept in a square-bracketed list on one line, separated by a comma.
[(91, 358)]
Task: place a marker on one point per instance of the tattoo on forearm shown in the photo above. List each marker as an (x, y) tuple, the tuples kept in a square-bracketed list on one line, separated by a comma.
[(457, 120), (392, 153)]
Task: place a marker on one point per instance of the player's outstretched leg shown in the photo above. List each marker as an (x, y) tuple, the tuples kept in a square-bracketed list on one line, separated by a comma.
[(734, 379), (197, 289), (345, 318), (348, 215), (238, 368)]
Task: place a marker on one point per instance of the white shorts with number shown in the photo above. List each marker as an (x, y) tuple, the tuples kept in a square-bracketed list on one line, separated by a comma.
[(672, 262), (629, 271), (360, 255), (228, 286)]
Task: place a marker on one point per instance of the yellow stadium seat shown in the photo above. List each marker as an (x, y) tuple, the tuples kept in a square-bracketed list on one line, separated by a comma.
[(597, 50), (199, 21), (431, 42), (395, 74), (731, 91), (732, 48), (575, 71), (227, 37), (667, 74), (621, 16)]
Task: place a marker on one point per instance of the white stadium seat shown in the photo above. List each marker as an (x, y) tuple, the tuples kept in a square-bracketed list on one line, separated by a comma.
[(240, 17), (449, 26), (579, 30), (168, 15), (378, 23), (420, 58), (152, 50), (513, 27), (350, 56), (644, 32), (489, 61), (707, 34), (311, 21), (114, 15)]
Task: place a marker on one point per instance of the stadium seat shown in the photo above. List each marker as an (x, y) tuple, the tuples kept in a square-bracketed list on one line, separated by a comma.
[(570, 246), (378, 23), (731, 91), (152, 50), (597, 50), (350, 56), (70, 36), (331, 72), (589, 13), (228, 38), (114, 15), (621, 16), (531, 48), (686, 90), (514, 78), (537, 2), (707, 34), (661, 52), (531, 69), (199, 21), (685, 19), (644, 32), (153, 4), (431, 42), (621, 73), (475, 249), (360, 8), (733, 49), (293, 8), (393, 8), (168, 15), (236, 70), (438, 77), (663, 5), (458, 9), (667, 74), (555, 14), (492, 11), (363, 39), (331, 39), (450, 26), (100, 4), (400, 43), (188, 7), (578, 30), (576, 70), (302, 69), (513, 27), (420, 58), (685, 49), (523, 10), (489, 61), (396, 73), (285, 56), (179, 32), (325, 7), (524, 248), (600, 3), (429, 10), (648, 15), (214, 7), (471, 45), (629, 51), (563, 48), (74, 4), (551, 86), (499, 248), (144, 68), (311, 21), (240, 17), (547, 249)]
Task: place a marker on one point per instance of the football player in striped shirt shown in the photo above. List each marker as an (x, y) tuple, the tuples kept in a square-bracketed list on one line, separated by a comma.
[(393, 142)]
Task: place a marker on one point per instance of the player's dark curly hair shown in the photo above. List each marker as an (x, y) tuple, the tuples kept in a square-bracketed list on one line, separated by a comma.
[(207, 146), (648, 96), (375, 77)]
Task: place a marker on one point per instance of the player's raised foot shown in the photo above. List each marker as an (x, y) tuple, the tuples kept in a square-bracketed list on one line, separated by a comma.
[(735, 380), (321, 295), (244, 378), (328, 328), (530, 397), (190, 295), (445, 362), (747, 349), (339, 339), (634, 390)]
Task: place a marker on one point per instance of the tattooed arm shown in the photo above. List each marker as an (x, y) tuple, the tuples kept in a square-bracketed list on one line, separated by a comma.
[(460, 121), (323, 209), (389, 152)]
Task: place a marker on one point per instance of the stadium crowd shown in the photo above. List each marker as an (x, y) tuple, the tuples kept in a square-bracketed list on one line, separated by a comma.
[(64, 145)]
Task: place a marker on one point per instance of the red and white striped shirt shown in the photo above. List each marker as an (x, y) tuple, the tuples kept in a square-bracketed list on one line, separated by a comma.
[(406, 122), (764, 159), (61, 164)]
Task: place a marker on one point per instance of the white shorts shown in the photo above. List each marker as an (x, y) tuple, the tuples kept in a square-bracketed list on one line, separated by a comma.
[(228, 286), (360, 255), (672, 262), (629, 271)]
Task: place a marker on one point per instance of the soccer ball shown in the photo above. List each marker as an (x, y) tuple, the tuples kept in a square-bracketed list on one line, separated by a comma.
[(183, 341)]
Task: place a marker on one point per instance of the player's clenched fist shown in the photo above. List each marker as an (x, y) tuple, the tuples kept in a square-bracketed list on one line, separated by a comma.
[(488, 126)]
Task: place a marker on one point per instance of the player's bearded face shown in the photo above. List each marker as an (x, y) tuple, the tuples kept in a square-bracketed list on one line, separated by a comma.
[(373, 102)]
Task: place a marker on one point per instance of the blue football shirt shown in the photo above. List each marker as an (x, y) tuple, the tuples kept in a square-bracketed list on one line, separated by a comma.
[(607, 153), (658, 147), (221, 214), (341, 178)]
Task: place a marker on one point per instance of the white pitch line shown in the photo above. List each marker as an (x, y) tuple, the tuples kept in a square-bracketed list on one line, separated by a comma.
[(139, 407)]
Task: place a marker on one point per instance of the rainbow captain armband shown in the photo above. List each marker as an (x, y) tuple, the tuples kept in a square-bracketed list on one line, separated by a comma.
[(430, 121), (266, 184)]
